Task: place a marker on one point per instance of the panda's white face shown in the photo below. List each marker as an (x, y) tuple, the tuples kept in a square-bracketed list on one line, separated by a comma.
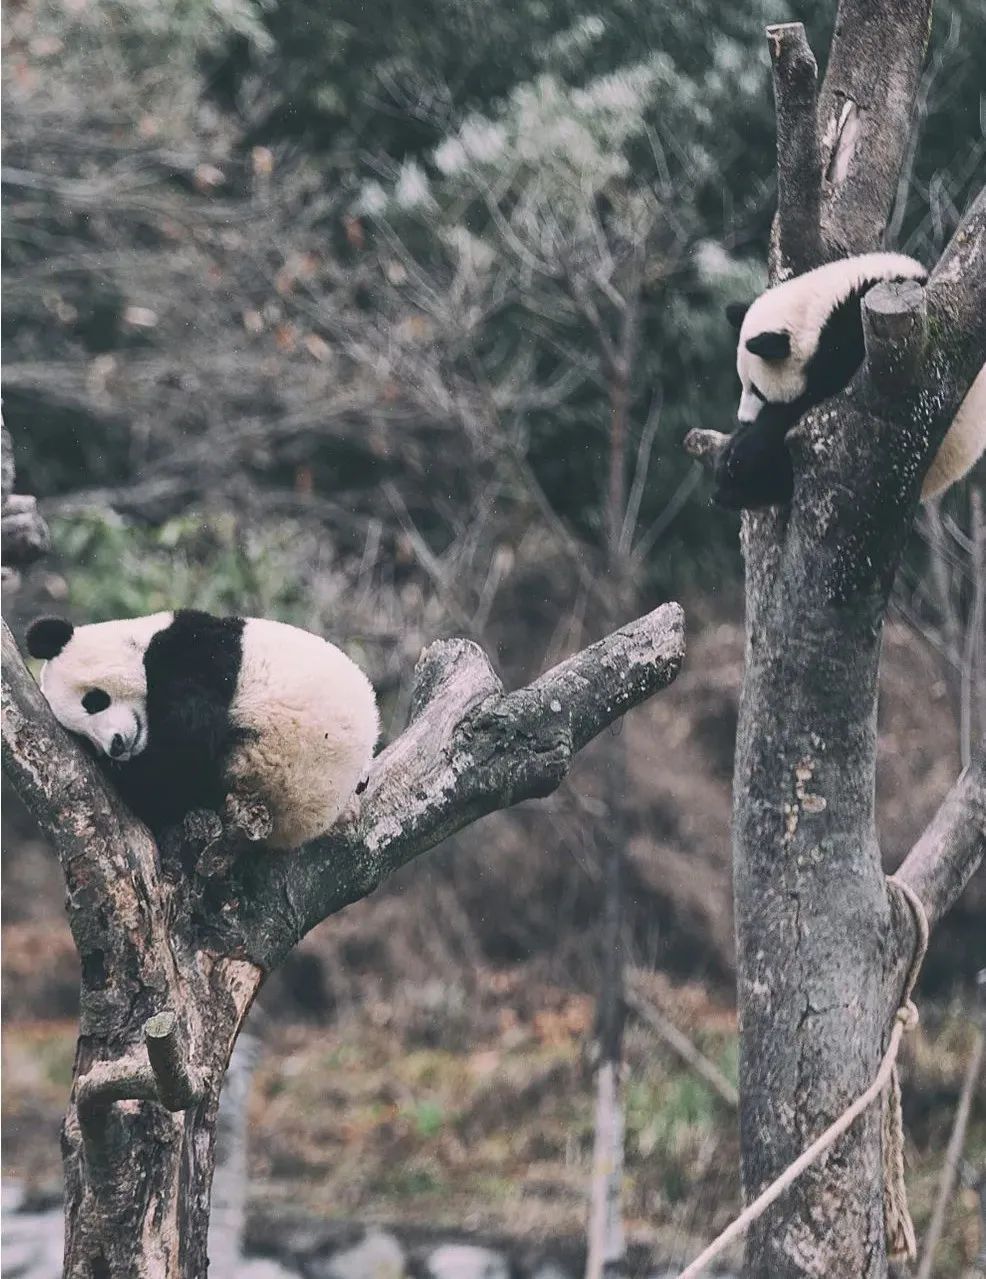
[(780, 332), (766, 381), (94, 681), (110, 711), (771, 359)]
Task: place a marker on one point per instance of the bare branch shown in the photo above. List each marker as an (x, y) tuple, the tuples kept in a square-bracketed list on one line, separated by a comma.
[(679, 1043), (944, 859), (469, 749), (864, 116), (957, 295), (799, 165), (705, 446)]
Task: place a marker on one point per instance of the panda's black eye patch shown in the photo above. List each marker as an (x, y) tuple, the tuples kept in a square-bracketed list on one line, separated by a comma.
[(96, 700)]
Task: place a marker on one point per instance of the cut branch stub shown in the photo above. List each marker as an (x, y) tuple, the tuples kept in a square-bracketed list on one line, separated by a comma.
[(179, 1084), (895, 329), (705, 446), (797, 230)]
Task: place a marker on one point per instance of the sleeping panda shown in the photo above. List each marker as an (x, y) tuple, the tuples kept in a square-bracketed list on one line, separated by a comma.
[(800, 343), (192, 708)]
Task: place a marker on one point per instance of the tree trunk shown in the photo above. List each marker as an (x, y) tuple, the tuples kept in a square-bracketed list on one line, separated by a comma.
[(138, 1178), (822, 948), (172, 960)]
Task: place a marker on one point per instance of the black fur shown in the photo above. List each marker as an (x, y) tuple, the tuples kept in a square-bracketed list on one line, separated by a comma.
[(773, 344), (47, 636), (192, 670), (754, 469)]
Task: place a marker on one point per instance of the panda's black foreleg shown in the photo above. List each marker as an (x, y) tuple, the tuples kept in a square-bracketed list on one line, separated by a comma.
[(754, 468)]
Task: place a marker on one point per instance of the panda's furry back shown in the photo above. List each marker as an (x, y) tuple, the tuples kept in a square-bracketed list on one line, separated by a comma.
[(253, 708)]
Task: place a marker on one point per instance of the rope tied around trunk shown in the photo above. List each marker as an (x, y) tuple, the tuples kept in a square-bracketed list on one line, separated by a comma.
[(901, 1241)]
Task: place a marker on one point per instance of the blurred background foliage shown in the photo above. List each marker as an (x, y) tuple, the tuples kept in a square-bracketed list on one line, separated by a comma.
[(326, 312), (288, 253)]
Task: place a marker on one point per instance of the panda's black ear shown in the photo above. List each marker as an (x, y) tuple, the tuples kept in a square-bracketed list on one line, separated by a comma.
[(47, 636), (770, 346), (735, 311)]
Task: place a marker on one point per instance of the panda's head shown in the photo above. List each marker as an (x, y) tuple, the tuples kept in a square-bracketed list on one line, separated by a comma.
[(94, 681), (770, 358), (808, 328)]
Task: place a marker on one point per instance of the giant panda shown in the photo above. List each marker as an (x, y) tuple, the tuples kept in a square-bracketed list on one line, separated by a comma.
[(800, 343), (191, 708)]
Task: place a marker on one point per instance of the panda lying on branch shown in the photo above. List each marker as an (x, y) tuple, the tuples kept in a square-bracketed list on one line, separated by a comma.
[(194, 710), (800, 343)]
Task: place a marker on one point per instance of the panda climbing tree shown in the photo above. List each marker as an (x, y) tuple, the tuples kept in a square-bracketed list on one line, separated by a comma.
[(862, 392)]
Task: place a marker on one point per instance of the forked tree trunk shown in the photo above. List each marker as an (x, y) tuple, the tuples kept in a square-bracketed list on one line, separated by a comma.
[(172, 960)]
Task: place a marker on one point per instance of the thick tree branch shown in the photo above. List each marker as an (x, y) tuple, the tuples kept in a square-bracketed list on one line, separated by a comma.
[(956, 296), (864, 116), (797, 230), (947, 855), (470, 749)]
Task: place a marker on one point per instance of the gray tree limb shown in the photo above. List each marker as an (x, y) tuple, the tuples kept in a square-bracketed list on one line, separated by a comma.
[(797, 239), (952, 847)]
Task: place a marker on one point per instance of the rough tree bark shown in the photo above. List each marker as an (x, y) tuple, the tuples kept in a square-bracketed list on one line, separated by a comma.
[(23, 533), (172, 962), (822, 945)]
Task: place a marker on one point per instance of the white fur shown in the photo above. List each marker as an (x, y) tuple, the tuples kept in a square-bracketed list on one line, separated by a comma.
[(110, 656), (964, 444), (311, 711), (315, 716), (799, 307)]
